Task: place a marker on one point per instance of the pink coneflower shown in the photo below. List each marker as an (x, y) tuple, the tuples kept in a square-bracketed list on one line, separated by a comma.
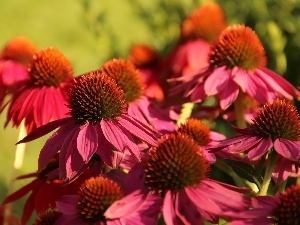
[(202, 135), (102, 201), (14, 58), (198, 31), (237, 64), (45, 189), (276, 126), (98, 121), (177, 171), (128, 78), (41, 98), (283, 209)]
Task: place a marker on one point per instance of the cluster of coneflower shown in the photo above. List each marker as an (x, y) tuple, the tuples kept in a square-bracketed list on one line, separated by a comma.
[(124, 147)]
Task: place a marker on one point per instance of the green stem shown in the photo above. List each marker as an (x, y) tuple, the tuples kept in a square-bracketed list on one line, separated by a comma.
[(240, 111), (282, 186), (271, 161)]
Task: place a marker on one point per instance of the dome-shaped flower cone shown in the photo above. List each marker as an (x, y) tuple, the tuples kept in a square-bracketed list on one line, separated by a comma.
[(206, 23), (48, 217), (41, 98), (237, 64), (177, 171), (14, 57)]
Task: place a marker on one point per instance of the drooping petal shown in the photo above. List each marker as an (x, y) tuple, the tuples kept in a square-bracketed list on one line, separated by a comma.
[(263, 145), (138, 129), (257, 88), (228, 95), (119, 137), (215, 81), (282, 170), (168, 210), (68, 205), (87, 141), (45, 129), (287, 149)]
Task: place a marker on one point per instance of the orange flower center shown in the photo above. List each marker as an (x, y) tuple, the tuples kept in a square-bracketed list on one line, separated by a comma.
[(143, 56), (95, 96), (95, 196), (175, 163), (127, 77), (289, 209), (238, 46), (278, 119), (197, 130), (19, 49), (206, 23), (49, 67)]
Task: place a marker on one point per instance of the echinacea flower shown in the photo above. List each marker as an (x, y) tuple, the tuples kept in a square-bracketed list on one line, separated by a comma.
[(198, 31), (276, 126), (283, 209), (148, 61), (48, 217), (98, 121), (202, 135), (176, 170), (14, 58), (128, 78), (45, 189), (92, 205), (41, 98), (237, 63)]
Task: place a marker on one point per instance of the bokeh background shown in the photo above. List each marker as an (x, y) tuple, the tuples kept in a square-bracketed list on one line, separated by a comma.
[(90, 32)]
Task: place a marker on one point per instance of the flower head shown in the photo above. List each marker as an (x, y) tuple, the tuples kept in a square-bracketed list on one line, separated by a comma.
[(103, 201), (206, 23), (177, 170), (127, 77), (142, 56), (98, 125), (276, 126), (14, 58), (236, 64), (42, 97)]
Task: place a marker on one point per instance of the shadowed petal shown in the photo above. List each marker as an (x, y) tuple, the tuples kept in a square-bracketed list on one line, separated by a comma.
[(262, 147), (257, 88), (216, 80), (68, 205), (168, 210), (282, 170), (45, 129), (228, 95), (87, 141), (119, 137), (287, 149)]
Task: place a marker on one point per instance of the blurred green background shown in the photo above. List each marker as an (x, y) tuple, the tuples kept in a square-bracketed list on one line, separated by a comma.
[(89, 32)]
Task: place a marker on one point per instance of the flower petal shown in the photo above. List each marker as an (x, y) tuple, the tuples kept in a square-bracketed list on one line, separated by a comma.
[(87, 141), (216, 80), (287, 149)]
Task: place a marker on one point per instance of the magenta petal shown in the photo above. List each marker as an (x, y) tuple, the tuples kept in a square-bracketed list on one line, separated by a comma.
[(87, 141), (119, 137), (104, 149), (127, 205), (257, 88), (228, 95), (68, 205), (138, 129), (240, 77), (282, 170), (263, 145), (168, 209), (215, 81), (43, 130), (198, 94), (287, 149)]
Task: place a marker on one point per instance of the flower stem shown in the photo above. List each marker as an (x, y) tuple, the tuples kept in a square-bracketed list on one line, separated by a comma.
[(271, 161), (239, 111), (282, 185)]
